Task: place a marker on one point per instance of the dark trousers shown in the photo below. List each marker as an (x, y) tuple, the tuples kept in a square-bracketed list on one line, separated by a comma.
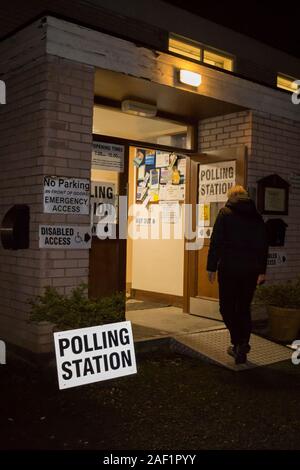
[(236, 291)]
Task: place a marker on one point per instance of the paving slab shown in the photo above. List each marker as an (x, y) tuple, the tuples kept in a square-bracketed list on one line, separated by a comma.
[(167, 321)]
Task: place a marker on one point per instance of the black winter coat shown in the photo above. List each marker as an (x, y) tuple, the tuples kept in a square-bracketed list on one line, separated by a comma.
[(239, 240)]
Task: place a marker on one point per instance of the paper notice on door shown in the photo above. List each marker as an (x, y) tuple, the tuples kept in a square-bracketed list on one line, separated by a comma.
[(171, 192)]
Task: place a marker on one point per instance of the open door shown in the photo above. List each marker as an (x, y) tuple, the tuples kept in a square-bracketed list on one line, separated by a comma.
[(107, 263), (209, 177)]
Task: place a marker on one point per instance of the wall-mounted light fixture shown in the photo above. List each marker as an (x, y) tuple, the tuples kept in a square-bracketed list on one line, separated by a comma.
[(190, 78), (139, 109)]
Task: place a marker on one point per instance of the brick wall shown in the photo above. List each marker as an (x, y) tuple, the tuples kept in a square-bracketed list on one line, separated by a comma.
[(229, 130), (273, 146), (276, 149), (45, 130)]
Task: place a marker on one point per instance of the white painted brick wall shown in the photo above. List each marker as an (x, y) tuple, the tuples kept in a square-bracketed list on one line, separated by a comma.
[(276, 149), (46, 128)]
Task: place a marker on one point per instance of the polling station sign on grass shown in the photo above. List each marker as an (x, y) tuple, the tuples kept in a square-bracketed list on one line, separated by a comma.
[(94, 354)]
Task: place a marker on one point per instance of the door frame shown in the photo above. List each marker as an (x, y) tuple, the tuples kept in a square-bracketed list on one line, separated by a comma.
[(239, 154)]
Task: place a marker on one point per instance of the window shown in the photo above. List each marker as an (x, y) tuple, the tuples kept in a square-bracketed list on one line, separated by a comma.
[(286, 83), (185, 47), (201, 53), (218, 60)]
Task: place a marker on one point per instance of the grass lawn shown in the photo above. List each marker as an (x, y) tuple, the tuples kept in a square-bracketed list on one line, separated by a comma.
[(174, 402)]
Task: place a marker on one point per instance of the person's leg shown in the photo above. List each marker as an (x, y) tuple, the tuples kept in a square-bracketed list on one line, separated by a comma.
[(245, 295), (228, 302)]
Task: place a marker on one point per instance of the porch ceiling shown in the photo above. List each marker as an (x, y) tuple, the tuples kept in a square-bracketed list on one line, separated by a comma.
[(174, 101)]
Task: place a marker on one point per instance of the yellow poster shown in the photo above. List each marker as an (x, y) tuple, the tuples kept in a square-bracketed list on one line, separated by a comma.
[(204, 214)]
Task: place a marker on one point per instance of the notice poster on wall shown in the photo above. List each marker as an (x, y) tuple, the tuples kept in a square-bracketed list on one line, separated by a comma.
[(170, 212), (204, 214), (65, 237), (275, 199), (154, 178), (66, 195), (205, 232), (170, 192), (162, 158), (104, 201), (181, 166), (106, 156), (166, 175), (150, 156), (215, 179), (276, 258)]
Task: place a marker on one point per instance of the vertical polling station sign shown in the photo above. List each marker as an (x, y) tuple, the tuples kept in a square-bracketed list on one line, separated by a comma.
[(104, 202), (93, 354), (215, 179)]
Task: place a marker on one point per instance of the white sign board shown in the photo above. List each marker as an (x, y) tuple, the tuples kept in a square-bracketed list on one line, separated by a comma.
[(66, 195), (170, 212), (72, 237), (2, 92), (104, 201), (215, 179), (108, 157), (93, 354), (276, 258), (205, 232), (2, 352), (172, 192)]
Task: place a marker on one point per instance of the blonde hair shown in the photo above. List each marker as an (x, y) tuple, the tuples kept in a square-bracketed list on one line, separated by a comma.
[(237, 190)]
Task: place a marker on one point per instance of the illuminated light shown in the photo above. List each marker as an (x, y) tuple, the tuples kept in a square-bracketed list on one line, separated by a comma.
[(287, 83), (190, 78)]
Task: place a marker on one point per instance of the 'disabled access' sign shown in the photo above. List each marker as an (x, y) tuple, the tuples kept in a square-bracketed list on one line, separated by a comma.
[(93, 354), (73, 237)]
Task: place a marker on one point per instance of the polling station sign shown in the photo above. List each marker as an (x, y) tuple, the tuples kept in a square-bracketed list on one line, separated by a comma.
[(93, 354), (73, 237), (103, 201), (215, 179), (66, 195)]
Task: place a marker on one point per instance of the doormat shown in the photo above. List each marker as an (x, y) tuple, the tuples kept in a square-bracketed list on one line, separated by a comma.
[(133, 304)]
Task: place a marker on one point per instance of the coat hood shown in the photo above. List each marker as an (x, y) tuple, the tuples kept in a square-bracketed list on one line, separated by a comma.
[(243, 205)]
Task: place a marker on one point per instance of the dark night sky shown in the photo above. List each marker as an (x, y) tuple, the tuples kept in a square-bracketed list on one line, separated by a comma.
[(275, 24)]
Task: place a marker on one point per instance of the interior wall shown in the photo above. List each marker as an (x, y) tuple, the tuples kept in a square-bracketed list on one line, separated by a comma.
[(154, 265)]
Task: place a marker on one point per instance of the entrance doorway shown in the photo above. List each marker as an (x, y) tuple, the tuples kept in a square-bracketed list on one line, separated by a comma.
[(151, 267), (154, 175)]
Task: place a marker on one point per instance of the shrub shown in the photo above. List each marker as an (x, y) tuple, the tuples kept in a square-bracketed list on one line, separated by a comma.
[(286, 295), (76, 310)]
